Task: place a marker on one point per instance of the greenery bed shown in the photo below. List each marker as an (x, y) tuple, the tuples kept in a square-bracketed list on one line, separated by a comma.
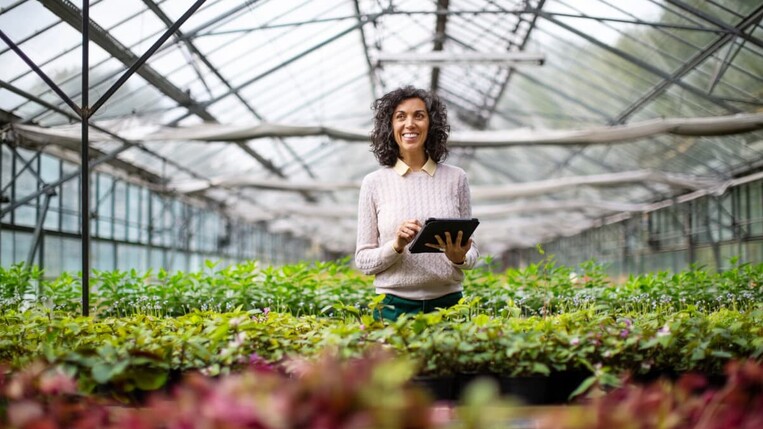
[(372, 392), (148, 329), (315, 289)]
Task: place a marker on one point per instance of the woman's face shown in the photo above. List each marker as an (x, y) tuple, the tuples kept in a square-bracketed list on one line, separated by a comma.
[(410, 124)]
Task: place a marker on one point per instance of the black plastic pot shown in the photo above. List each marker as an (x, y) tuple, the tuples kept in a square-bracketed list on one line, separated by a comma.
[(555, 388), (531, 390), (441, 388), (562, 384)]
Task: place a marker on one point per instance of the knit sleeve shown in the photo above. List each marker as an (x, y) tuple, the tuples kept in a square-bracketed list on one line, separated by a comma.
[(371, 257), (465, 207)]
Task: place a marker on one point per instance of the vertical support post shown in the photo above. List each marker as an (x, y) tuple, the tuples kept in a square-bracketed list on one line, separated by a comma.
[(150, 229), (737, 194), (14, 172), (38, 228), (689, 230), (3, 197), (85, 178), (624, 247), (714, 240)]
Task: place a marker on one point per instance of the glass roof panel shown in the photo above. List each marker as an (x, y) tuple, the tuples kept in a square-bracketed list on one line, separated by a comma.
[(20, 29), (306, 63)]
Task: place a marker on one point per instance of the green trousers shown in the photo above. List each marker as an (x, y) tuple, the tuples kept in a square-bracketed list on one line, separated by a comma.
[(394, 305)]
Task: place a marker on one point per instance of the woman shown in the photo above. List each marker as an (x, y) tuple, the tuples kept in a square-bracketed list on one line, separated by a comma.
[(409, 141)]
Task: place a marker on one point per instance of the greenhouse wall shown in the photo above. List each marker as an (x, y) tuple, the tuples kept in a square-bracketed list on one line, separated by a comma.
[(131, 226), (709, 232)]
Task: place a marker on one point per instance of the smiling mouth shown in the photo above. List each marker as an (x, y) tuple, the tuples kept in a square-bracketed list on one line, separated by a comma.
[(410, 136)]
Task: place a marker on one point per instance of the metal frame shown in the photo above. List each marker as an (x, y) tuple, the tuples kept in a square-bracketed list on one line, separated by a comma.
[(70, 14), (475, 102), (667, 80), (67, 12)]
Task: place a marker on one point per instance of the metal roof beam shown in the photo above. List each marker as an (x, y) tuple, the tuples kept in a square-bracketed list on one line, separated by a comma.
[(641, 63), (7, 117), (439, 40), (154, 7), (636, 21), (31, 97), (451, 12), (72, 15), (112, 160), (688, 66), (372, 76), (31, 36), (476, 120), (61, 54), (285, 63), (194, 50), (466, 114), (136, 65), (739, 30), (493, 104), (48, 81), (490, 100), (13, 6), (723, 65), (560, 92), (161, 50), (563, 53), (684, 41)]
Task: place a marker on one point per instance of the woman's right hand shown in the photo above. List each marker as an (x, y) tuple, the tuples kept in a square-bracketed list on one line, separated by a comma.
[(405, 234)]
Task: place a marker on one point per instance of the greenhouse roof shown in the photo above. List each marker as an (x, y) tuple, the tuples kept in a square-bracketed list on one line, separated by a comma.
[(566, 114)]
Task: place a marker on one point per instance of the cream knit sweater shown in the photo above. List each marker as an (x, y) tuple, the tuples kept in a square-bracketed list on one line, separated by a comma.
[(386, 200)]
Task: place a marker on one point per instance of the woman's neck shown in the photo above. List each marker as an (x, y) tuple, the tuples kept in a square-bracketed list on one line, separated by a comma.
[(414, 160)]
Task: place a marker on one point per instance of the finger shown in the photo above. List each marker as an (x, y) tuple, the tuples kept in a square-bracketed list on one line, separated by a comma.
[(459, 237), (409, 226), (468, 245), (448, 240), (433, 246), (439, 241)]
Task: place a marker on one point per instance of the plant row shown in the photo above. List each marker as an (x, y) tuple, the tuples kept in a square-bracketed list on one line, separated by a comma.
[(372, 391), (143, 352), (313, 289), (362, 393)]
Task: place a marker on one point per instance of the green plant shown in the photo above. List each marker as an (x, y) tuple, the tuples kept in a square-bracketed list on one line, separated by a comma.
[(18, 285)]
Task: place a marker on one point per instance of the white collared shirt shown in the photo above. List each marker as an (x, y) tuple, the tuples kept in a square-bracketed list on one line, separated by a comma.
[(402, 168)]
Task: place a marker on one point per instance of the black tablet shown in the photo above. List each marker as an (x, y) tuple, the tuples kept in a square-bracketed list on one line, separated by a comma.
[(435, 226)]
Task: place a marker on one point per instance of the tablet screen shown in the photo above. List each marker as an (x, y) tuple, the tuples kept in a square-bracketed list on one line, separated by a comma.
[(438, 226)]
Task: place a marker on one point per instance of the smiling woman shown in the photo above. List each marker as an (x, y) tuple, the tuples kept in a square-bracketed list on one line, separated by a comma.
[(409, 140), (410, 124)]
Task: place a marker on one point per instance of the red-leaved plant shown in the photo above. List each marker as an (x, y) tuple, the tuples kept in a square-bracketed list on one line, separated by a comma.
[(331, 393), (371, 392), (689, 403)]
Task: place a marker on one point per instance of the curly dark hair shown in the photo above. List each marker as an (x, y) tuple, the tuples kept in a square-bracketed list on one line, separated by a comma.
[(383, 143)]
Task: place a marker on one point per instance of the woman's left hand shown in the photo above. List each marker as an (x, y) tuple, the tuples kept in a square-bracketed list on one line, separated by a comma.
[(452, 248)]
